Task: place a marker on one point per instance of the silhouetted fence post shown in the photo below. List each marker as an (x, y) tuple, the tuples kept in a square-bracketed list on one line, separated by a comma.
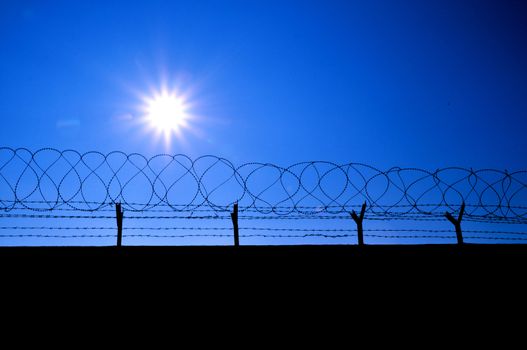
[(457, 222), (234, 217), (119, 217), (358, 220)]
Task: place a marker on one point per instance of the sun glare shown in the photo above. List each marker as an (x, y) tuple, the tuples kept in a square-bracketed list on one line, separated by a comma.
[(167, 114)]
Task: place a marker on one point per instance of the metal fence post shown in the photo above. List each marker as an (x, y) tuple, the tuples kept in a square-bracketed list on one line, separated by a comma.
[(234, 217), (457, 222), (119, 217), (358, 220)]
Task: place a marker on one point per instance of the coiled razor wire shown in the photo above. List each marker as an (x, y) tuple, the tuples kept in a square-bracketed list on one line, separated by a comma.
[(52, 180)]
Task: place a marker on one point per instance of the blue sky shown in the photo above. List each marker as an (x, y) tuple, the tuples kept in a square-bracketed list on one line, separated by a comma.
[(387, 83)]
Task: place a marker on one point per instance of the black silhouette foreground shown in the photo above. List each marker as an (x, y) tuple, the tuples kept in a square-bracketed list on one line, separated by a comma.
[(302, 258)]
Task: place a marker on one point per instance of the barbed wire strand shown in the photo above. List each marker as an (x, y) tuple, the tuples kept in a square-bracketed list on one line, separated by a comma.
[(253, 229), (45, 183), (72, 179), (260, 218), (262, 236)]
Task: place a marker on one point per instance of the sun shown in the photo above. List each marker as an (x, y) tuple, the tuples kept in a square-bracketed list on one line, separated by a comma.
[(166, 113)]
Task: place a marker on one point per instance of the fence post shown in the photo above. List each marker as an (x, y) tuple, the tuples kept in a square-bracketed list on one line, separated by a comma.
[(358, 220), (234, 217), (457, 222), (119, 217)]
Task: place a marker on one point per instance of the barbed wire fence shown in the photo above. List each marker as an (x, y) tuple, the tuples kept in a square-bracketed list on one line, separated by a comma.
[(55, 195)]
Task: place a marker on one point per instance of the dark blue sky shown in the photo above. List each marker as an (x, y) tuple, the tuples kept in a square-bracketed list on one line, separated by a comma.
[(409, 83)]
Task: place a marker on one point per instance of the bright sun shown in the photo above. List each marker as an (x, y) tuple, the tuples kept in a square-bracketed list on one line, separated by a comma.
[(167, 114)]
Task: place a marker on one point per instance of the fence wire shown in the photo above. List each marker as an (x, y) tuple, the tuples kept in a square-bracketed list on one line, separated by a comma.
[(61, 186)]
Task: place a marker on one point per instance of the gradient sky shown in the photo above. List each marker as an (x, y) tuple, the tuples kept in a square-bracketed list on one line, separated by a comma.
[(407, 83), (411, 83)]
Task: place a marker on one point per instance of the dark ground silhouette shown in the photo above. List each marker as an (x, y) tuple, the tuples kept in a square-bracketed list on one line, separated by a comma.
[(298, 260), (333, 277)]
